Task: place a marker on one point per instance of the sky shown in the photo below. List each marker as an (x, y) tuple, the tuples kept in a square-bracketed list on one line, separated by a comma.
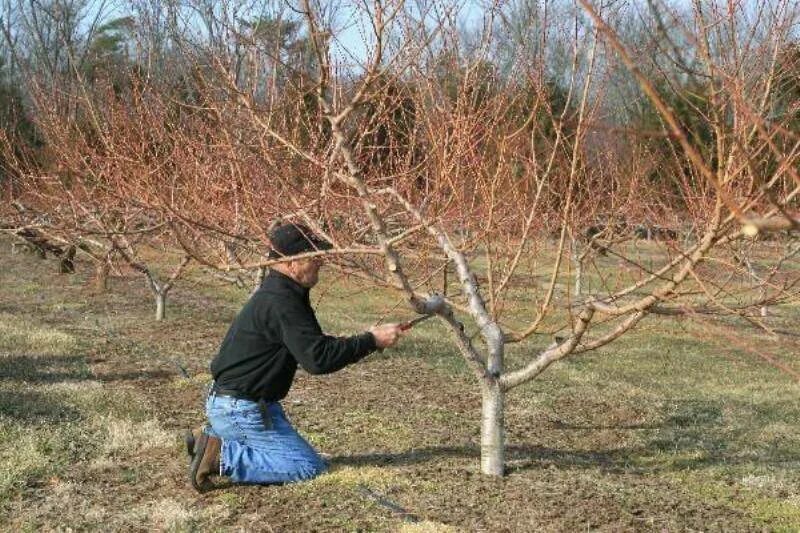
[(355, 32)]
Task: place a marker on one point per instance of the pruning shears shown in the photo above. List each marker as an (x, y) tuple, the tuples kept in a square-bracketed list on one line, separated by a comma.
[(405, 326)]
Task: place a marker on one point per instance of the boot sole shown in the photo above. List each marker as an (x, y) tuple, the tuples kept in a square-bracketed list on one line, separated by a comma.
[(199, 451)]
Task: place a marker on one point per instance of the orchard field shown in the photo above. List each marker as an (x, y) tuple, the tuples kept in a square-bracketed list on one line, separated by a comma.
[(677, 426), (596, 202)]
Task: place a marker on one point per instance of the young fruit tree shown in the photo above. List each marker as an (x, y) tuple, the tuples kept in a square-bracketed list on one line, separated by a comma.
[(90, 188), (500, 152)]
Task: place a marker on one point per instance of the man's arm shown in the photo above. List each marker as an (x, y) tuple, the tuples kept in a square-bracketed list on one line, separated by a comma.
[(318, 353)]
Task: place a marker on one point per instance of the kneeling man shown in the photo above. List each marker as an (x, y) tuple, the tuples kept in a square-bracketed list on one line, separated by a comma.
[(249, 438)]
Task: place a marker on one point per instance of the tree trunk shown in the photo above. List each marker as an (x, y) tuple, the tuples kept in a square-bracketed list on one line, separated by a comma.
[(161, 304), (754, 275), (578, 265), (67, 261), (101, 277), (492, 430)]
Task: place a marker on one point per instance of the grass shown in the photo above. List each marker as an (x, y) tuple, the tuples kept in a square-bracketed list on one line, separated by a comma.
[(670, 428), (22, 335)]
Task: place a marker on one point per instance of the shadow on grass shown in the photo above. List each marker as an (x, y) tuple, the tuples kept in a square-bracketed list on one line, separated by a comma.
[(518, 457), (693, 434), (35, 407), (137, 375), (635, 460), (44, 368), (682, 413), (47, 369)]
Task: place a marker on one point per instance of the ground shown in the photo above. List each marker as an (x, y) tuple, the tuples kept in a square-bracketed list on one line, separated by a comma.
[(672, 428)]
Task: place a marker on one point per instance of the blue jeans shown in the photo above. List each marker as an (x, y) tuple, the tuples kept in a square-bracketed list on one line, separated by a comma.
[(253, 454)]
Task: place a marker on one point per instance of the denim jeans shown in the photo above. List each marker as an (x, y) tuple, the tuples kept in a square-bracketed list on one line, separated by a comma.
[(251, 453)]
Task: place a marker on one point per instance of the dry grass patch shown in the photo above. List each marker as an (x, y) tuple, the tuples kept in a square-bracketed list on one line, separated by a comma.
[(72, 388), (427, 526), (182, 383), (374, 477), (126, 437), (164, 515), (21, 336), (375, 426), (21, 458), (170, 514), (350, 478)]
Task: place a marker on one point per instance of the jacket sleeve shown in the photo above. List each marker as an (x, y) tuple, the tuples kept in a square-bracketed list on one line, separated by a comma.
[(316, 352)]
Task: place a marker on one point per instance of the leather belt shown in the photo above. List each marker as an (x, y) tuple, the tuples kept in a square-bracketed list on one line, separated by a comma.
[(233, 394), (263, 405)]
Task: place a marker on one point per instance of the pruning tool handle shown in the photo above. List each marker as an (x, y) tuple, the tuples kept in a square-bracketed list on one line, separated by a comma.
[(405, 326)]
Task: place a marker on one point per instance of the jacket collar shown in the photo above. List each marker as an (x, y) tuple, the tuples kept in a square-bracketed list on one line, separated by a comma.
[(279, 280)]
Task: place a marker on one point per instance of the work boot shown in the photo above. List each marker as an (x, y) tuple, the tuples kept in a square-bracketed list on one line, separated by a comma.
[(205, 462), (190, 437)]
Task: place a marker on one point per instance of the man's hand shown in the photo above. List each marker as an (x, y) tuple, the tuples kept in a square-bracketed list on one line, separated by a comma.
[(386, 335)]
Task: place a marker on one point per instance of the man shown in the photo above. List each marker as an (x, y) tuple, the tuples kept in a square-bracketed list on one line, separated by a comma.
[(249, 438)]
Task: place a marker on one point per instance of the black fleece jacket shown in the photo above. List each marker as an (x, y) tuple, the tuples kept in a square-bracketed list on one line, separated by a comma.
[(274, 332)]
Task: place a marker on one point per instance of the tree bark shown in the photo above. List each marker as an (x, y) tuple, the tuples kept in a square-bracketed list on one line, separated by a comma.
[(492, 430)]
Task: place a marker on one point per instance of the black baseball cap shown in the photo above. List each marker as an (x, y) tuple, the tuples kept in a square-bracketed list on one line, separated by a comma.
[(294, 239)]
